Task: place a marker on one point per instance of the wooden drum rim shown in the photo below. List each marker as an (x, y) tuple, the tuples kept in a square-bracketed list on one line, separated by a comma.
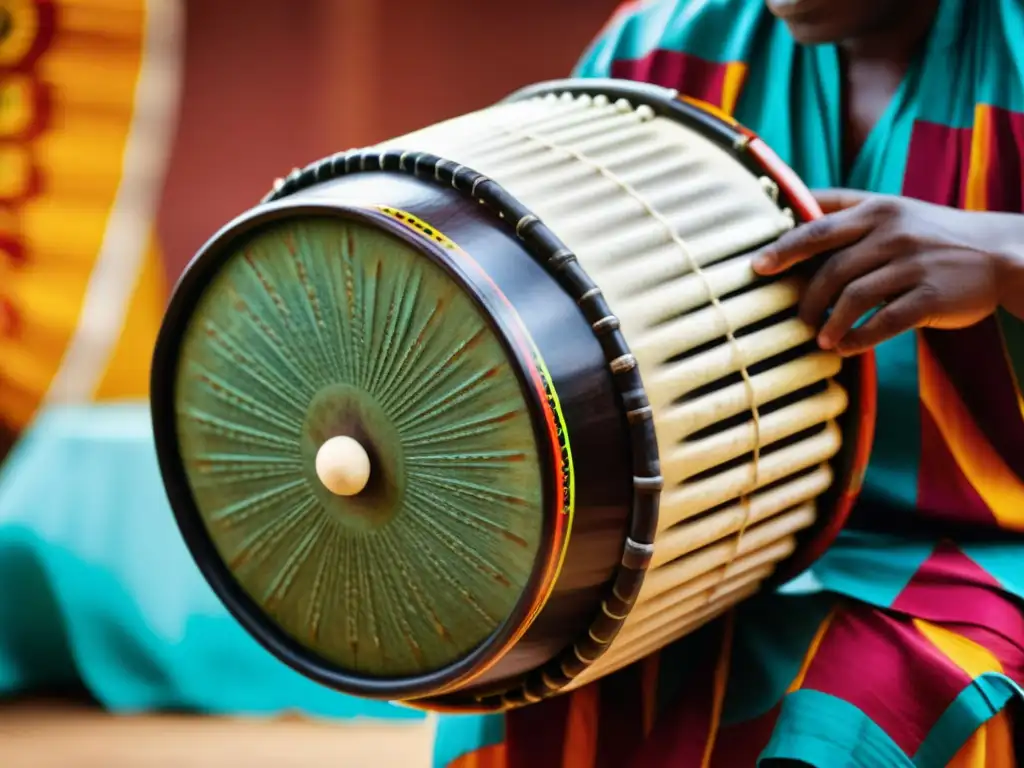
[(562, 264), (185, 298)]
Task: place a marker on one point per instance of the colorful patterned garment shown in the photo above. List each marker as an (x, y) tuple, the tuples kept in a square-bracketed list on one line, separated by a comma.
[(88, 93), (904, 646)]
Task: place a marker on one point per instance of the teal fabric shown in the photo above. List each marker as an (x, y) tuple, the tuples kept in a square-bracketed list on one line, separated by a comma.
[(467, 733), (769, 645), (871, 567), (96, 584), (975, 706), (821, 730)]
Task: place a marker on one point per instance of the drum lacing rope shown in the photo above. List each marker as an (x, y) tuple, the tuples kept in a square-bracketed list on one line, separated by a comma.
[(644, 114)]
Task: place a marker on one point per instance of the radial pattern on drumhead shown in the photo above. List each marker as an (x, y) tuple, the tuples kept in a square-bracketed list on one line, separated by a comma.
[(322, 327)]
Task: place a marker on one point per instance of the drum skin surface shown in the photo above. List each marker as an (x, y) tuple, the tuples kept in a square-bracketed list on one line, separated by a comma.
[(494, 409), (395, 354)]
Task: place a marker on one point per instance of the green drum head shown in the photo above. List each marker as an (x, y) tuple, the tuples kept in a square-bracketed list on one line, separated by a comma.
[(331, 352)]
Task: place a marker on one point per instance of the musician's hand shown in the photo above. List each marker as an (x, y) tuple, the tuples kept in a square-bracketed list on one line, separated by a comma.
[(919, 265)]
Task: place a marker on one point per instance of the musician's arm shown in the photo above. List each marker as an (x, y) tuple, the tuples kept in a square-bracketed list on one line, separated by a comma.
[(1011, 263)]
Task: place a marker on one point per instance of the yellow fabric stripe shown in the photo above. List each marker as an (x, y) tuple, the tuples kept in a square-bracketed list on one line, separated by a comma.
[(579, 748), (721, 682), (973, 659), (991, 746), (735, 75), (812, 651), (976, 196), (999, 487)]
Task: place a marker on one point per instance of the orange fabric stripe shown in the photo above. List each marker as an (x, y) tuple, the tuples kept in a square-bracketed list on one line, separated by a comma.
[(732, 84), (976, 195), (999, 487), (494, 756), (579, 750), (975, 660), (721, 683), (991, 746), (812, 651), (649, 669)]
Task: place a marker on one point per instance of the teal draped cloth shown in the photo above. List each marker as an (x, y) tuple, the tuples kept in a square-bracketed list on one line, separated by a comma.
[(97, 587)]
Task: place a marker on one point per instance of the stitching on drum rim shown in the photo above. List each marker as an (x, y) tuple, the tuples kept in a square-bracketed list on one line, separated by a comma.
[(619, 106)]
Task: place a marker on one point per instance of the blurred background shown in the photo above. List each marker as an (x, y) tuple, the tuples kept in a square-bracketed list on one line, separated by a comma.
[(130, 130), (283, 83)]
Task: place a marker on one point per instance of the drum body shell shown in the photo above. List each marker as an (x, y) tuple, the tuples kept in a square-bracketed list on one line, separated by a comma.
[(615, 223)]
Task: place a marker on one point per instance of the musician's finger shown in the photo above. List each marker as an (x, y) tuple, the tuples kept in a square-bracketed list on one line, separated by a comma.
[(838, 272), (837, 230), (861, 296), (908, 311), (832, 200)]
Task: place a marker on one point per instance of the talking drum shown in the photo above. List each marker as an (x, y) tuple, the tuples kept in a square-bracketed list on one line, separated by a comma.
[(490, 411)]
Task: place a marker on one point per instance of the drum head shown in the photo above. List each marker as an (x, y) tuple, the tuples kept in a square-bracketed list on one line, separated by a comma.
[(356, 442)]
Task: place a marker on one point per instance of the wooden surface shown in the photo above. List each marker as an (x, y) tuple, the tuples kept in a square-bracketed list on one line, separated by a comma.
[(69, 736)]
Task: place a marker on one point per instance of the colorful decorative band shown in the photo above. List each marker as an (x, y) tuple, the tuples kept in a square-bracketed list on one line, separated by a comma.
[(565, 488)]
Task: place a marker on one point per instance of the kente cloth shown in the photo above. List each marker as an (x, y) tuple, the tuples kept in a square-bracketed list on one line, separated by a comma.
[(88, 99), (904, 644)]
